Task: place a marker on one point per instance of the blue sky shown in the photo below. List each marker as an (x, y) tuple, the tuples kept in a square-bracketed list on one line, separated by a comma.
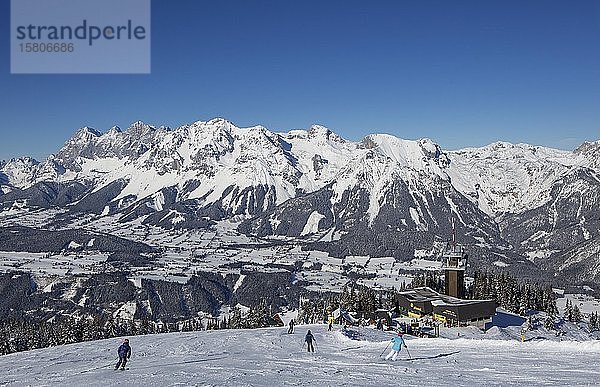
[(464, 73)]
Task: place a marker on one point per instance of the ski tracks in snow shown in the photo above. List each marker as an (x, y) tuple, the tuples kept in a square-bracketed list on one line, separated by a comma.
[(270, 357)]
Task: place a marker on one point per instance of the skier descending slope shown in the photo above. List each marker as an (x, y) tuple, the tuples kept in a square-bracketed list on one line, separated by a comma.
[(309, 338), (124, 354), (398, 343)]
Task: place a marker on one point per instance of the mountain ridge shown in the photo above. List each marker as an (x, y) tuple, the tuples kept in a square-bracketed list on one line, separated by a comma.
[(381, 196)]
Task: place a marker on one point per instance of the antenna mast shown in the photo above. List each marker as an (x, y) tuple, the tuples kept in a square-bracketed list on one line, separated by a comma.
[(453, 232)]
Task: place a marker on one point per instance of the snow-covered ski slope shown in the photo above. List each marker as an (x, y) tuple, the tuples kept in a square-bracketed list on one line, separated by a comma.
[(271, 357)]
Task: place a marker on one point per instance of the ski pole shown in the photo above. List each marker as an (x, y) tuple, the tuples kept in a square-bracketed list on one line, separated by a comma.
[(407, 351), (386, 347)]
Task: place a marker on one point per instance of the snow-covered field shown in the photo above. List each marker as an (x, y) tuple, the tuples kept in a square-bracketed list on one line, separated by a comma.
[(214, 250), (586, 304), (271, 357)]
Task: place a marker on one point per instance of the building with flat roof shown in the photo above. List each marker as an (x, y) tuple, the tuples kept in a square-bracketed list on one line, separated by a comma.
[(452, 311)]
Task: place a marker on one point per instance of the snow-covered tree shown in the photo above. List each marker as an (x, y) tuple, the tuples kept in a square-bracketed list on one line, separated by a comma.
[(512, 295), (593, 322), (576, 315), (549, 322), (568, 313), (235, 318)]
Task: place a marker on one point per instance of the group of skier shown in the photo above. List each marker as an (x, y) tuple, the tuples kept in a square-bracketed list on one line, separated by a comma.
[(310, 342), (397, 342)]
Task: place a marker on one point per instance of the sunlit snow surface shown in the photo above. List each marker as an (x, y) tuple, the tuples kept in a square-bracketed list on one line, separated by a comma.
[(271, 357)]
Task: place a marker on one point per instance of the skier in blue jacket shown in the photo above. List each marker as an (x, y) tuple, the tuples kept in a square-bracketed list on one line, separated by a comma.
[(124, 354), (396, 347)]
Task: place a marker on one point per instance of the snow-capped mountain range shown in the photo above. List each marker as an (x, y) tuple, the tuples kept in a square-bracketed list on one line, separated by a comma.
[(516, 205)]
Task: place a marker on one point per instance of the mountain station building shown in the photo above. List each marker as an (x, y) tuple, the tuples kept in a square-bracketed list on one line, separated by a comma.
[(450, 308), (451, 311)]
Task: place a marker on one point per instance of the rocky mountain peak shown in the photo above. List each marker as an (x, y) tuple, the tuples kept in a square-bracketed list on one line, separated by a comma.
[(85, 133), (24, 161), (588, 146), (323, 133), (139, 130), (18, 171), (590, 151), (115, 130)]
